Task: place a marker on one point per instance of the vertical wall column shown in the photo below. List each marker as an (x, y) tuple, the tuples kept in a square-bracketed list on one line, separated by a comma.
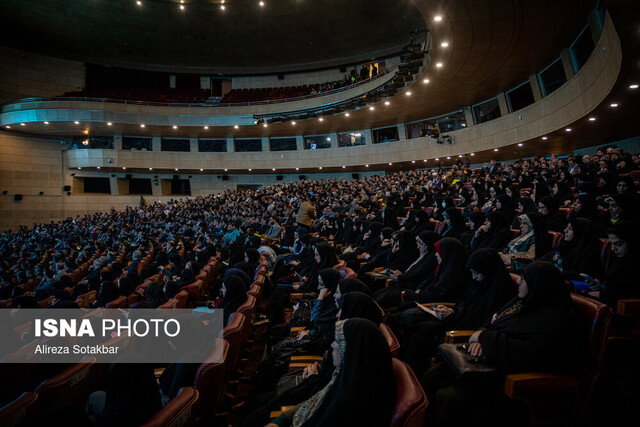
[(402, 132), (299, 142), (565, 57), (334, 140), (468, 116), (502, 102), (231, 148), (265, 144), (117, 142), (535, 87), (368, 136), (155, 143), (193, 145)]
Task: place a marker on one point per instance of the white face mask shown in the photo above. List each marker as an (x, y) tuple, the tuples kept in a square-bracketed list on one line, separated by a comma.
[(444, 205)]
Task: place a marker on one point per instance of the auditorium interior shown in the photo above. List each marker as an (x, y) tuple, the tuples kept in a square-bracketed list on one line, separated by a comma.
[(405, 213)]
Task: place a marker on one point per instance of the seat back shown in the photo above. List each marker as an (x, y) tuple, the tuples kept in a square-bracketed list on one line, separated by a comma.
[(182, 297), (248, 308), (411, 400), (46, 302), (120, 302), (73, 385), (392, 341), (605, 251), (20, 410), (179, 412), (211, 378), (555, 238), (171, 304), (87, 298), (596, 317), (233, 334)]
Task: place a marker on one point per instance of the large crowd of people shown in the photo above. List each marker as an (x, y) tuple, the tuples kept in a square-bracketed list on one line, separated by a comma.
[(366, 252)]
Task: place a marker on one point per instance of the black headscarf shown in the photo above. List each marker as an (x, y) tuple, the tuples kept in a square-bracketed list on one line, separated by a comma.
[(234, 297), (108, 292), (353, 285), (457, 223), (406, 254), (553, 220), (330, 278), (390, 219), (582, 253), (508, 208), (363, 393), (589, 209), (360, 305)]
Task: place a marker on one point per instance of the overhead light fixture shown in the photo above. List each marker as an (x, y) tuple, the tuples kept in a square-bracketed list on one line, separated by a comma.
[(408, 93), (139, 3), (321, 119), (592, 119), (293, 122), (150, 169), (77, 123), (346, 114), (390, 163), (201, 169), (222, 7), (633, 86), (124, 168), (444, 44), (22, 124), (261, 4), (568, 130), (520, 145), (225, 170), (439, 64), (343, 167), (545, 138), (459, 155), (46, 123), (372, 108), (79, 168), (366, 166), (249, 170), (437, 159), (273, 169), (98, 167), (473, 154), (143, 126), (181, 7), (413, 161), (495, 149), (387, 103), (236, 127), (297, 169), (175, 127), (437, 18), (448, 157), (424, 161), (425, 81), (206, 127), (320, 167), (109, 123), (614, 105), (8, 127)]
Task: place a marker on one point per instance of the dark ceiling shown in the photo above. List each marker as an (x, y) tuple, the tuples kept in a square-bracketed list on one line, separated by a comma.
[(244, 37)]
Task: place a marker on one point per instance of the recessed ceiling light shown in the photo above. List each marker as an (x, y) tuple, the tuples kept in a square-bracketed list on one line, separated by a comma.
[(143, 126), (495, 149), (109, 123), (425, 81), (236, 127), (139, 3), (223, 8), (320, 167), (206, 127), (413, 161), (614, 105), (437, 18), (343, 167), (545, 138), (372, 108), (387, 103), (175, 127), (459, 155), (176, 169), (181, 7), (346, 114), (366, 166), (293, 123), (124, 167), (444, 44), (77, 123), (437, 159), (390, 163), (568, 130), (408, 93), (46, 123), (633, 86), (261, 4), (201, 169), (473, 154), (448, 157), (264, 125), (592, 119), (22, 124), (321, 119), (439, 64), (150, 169), (520, 145), (297, 169)]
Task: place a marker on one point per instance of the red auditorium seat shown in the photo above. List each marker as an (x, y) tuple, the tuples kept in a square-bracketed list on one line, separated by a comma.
[(20, 411), (394, 344), (248, 308), (179, 412), (605, 252), (210, 380), (74, 385), (411, 400), (233, 333)]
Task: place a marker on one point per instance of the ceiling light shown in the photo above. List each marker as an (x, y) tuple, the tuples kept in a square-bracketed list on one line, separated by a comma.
[(413, 161), (109, 123), (124, 167), (473, 154), (366, 166), (261, 4), (321, 119), (614, 105), (79, 168), (408, 93), (346, 114), (343, 167), (544, 138), (236, 127), (150, 169), (568, 130), (371, 108), (142, 126), (46, 123), (264, 125), (225, 170), (459, 155), (8, 127), (206, 127), (139, 3), (297, 169), (520, 145), (98, 167), (448, 157), (222, 8), (175, 127), (77, 123), (439, 65), (444, 44), (320, 167), (425, 81), (390, 163), (386, 103), (592, 119), (495, 149), (437, 159), (425, 160), (181, 7), (437, 18), (22, 124), (249, 170), (293, 123), (273, 169), (176, 169), (201, 169), (633, 86)]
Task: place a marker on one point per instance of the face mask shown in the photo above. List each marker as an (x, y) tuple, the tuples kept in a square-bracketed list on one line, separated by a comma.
[(444, 205)]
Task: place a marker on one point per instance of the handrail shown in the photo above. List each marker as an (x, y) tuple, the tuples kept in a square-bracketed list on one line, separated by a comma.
[(201, 104)]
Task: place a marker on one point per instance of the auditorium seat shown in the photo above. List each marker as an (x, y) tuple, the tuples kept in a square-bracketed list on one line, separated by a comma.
[(411, 400), (182, 298), (559, 398), (169, 305), (248, 309), (85, 299), (120, 302), (394, 344), (20, 411), (210, 380), (233, 333), (46, 302), (555, 238), (179, 412), (605, 252), (73, 385)]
